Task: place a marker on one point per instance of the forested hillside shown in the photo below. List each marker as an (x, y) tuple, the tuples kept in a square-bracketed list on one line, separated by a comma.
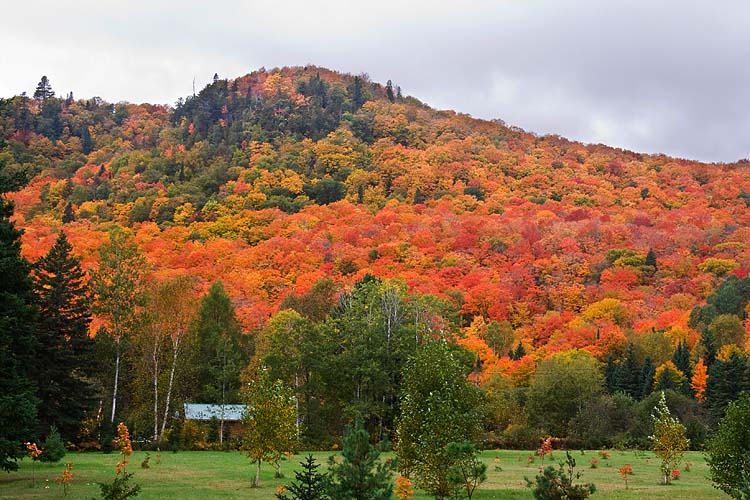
[(346, 223)]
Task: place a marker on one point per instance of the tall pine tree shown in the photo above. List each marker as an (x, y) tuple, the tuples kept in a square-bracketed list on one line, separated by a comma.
[(18, 317), (64, 355)]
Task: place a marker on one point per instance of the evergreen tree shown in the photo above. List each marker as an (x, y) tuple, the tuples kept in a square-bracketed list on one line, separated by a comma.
[(681, 359), (646, 379), (709, 345), (389, 91), (18, 316), (361, 476), (651, 258), (87, 142), (519, 352), (627, 374), (65, 348), (309, 484), (218, 356), (610, 375), (43, 90), (726, 379), (68, 215), (358, 98)]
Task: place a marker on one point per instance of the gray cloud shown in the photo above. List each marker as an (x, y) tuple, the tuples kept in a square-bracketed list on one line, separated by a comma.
[(650, 76)]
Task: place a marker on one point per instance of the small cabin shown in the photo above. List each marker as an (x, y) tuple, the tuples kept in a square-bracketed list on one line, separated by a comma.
[(228, 416)]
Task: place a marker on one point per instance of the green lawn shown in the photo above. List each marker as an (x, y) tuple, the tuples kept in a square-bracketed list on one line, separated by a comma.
[(204, 475)]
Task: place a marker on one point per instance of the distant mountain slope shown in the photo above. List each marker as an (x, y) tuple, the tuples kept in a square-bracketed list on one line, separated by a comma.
[(277, 179)]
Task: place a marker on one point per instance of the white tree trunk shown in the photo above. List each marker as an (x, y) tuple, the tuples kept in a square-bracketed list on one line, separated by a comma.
[(155, 358), (175, 351), (117, 378)]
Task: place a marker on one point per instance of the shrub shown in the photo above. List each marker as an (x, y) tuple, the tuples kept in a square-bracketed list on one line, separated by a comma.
[(54, 448), (553, 484)]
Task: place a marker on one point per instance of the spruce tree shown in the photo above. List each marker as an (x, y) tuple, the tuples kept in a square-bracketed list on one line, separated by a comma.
[(726, 379), (43, 90), (627, 374), (389, 91), (519, 352), (309, 484), (646, 379), (18, 317), (65, 349), (681, 359), (218, 356), (361, 476)]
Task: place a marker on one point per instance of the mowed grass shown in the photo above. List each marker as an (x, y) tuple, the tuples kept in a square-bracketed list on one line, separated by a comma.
[(205, 475)]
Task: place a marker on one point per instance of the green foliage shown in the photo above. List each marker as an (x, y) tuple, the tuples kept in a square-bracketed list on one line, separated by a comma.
[(54, 448), (309, 484), (669, 439), (558, 484), (727, 450), (726, 329), (561, 385), (269, 423), (361, 475), (117, 288), (467, 471), (120, 487), (219, 355), (438, 407), (726, 379), (18, 316)]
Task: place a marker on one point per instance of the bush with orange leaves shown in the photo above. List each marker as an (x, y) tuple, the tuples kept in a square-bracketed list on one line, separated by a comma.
[(119, 488), (65, 478), (404, 489)]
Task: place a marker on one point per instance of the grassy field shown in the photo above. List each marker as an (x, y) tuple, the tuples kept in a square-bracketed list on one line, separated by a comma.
[(204, 475)]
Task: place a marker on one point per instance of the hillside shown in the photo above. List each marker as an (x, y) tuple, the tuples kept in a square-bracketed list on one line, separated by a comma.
[(278, 179)]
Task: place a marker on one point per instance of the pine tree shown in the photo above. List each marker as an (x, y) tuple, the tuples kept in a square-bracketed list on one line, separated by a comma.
[(610, 375), (651, 258), (309, 484), (358, 98), (519, 352), (389, 91), (18, 316), (646, 379), (709, 344), (65, 348), (361, 476), (681, 359), (627, 374), (726, 379), (43, 90), (68, 215), (219, 357)]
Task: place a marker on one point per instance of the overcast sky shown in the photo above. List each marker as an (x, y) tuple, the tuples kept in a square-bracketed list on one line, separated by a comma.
[(647, 75)]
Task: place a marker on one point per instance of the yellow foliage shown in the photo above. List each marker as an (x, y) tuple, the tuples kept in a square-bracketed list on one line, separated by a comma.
[(718, 267), (725, 352), (605, 308)]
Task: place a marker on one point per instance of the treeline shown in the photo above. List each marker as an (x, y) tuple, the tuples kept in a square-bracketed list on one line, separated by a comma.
[(341, 351)]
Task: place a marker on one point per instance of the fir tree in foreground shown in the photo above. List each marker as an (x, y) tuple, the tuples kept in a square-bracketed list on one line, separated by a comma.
[(18, 404), (65, 348), (309, 484), (361, 476)]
